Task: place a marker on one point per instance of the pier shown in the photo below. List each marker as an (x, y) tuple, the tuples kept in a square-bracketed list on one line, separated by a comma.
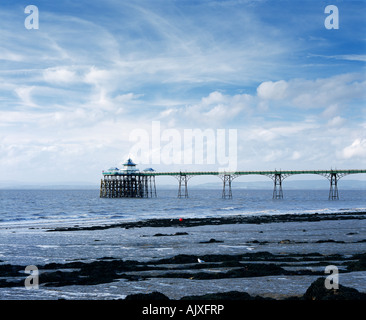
[(129, 182)]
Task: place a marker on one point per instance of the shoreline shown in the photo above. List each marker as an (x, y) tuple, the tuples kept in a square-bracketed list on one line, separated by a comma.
[(239, 219)]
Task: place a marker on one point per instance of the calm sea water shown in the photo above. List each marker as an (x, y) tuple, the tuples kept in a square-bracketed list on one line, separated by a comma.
[(60, 207)]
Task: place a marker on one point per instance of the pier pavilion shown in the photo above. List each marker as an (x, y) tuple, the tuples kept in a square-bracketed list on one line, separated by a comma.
[(128, 182)]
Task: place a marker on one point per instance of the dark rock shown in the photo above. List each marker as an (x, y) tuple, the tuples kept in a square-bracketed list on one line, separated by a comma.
[(169, 235), (10, 284), (256, 270), (181, 234), (329, 241), (148, 296), (258, 242), (231, 295), (232, 263), (359, 265), (8, 270), (250, 270), (212, 241), (180, 258), (318, 291), (285, 241), (193, 222)]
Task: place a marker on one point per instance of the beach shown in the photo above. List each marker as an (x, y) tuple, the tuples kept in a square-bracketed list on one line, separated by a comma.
[(274, 257)]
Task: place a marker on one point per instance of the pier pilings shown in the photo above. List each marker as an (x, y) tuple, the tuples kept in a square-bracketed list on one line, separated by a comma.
[(128, 186)]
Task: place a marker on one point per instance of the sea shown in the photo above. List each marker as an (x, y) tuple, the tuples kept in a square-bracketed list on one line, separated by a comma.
[(84, 207)]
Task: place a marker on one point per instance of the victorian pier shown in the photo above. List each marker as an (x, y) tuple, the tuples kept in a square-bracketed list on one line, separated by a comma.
[(130, 182)]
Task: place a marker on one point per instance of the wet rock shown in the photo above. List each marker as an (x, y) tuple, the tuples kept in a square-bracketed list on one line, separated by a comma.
[(8, 270), (232, 263), (257, 270), (359, 265), (261, 255), (318, 291), (180, 258), (9, 284), (250, 270), (170, 235), (329, 241), (148, 296), (193, 222), (231, 295), (258, 242), (286, 241), (212, 241)]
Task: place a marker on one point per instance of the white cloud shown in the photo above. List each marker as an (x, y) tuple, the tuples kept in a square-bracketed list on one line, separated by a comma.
[(336, 121), (331, 111), (272, 90), (323, 93), (60, 75), (213, 110), (356, 150), (9, 55), (97, 76), (25, 95), (349, 57)]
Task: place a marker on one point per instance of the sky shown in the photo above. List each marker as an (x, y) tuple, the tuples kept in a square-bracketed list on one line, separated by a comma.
[(76, 93)]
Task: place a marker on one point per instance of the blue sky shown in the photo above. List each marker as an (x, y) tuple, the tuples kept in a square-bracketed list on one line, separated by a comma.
[(72, 91)]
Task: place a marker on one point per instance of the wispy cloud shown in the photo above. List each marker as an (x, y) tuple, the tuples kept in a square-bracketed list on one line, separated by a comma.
[(347, 57)]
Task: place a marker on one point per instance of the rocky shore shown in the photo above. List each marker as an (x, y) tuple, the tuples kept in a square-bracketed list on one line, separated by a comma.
[(316, 291), (276, 257), (194, 222), (212, 266)]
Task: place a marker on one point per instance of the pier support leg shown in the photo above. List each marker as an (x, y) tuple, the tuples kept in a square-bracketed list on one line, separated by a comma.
[(333, 176), (226, 179), (333, 191), (277, 190), (183, 178), (102, 189), (151, 187)]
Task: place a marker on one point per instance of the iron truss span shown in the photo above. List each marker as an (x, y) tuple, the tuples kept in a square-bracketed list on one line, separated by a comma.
[(266, 173), (142, 184)]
